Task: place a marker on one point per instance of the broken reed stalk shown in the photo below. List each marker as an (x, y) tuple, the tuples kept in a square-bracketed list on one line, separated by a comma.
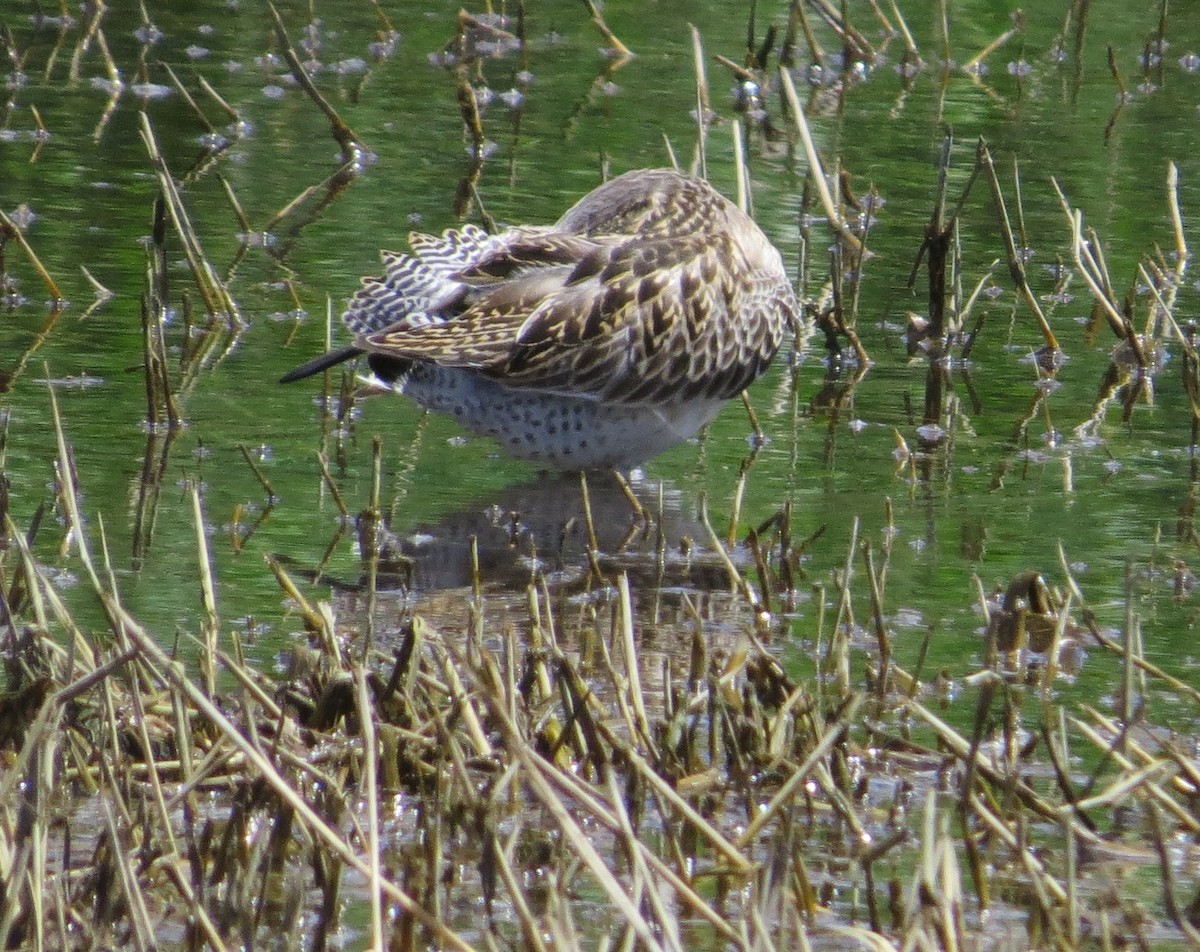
[(258, 474), (370, 755), (972, 64), (621, 51), (239, 213), (234, 116), (936, 249), (816, 169), (371, 539), (160, 399), (256, 759), (67, 487), (331, 485), (884, 23), (703, 101), (208, 599), (10, 232), (1181, 247), (853, 41), (1016, 266), (943, 31), (593, 543), (737, 580), (314, 621), (1166, 284), (882, 638), (102, 293), (537, 778), (1115, 71), (1087, 254), (187, 98), (739, 494), (468, 108), (798, 23), (843, 623), (91, 34), (217, 300), (912, 53), (8, 377), (351, 145), (632, 668), (741, 172)]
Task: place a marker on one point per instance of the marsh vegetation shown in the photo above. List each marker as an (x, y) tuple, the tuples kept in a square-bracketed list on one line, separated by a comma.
[(897, 655)]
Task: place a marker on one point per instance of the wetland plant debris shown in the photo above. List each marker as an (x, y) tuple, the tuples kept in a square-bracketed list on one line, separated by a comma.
[(505, 772), (492, 777)]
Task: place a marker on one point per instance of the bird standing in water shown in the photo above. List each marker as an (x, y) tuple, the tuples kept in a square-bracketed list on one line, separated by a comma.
[(601, 340)]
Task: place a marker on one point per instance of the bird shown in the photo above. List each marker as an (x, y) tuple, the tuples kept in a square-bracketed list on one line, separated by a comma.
[(597, 342)]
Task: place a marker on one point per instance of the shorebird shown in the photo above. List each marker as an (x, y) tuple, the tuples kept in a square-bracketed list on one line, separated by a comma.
[(598, 341)]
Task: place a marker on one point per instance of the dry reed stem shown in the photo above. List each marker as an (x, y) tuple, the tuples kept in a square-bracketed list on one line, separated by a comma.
[(836, 20), (632, 667), (1087, 255), (187, 98), (623, 53), (1016, 267), (576, 790), (1175, 684), (461, 700), (10, 232), (216, 97), (1049, 888), (741, 173), (217, 299), (535, 778), (68, 486), (798, 18), (1181, 246), (174, 677), (703, 101), (973, 63), (730, 852), (83, 44), (329, 187), (313, 619), (102, 293), (371, 784), (258, 474), (8, 378), (816, 171), (832, 735), (736, 579), (967, 752), (211, 626), (351, 145), (1125, 760)]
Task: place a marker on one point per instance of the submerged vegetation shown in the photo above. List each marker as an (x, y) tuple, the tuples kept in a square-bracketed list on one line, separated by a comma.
[(595, 713)]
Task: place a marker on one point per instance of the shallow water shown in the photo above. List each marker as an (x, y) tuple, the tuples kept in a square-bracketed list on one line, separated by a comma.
[(1014, 484), (996, 498)]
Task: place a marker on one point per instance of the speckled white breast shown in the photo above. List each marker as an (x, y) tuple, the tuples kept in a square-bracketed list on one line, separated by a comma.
[(562, 432)]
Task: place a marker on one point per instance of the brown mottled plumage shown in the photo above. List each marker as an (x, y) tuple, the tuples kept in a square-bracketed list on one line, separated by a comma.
[(600, 340)]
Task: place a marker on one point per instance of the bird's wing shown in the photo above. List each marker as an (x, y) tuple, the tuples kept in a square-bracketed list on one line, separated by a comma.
[(636, 319), (651, 288)]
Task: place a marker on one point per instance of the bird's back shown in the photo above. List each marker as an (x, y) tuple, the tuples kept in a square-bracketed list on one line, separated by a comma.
[(652, 295)]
